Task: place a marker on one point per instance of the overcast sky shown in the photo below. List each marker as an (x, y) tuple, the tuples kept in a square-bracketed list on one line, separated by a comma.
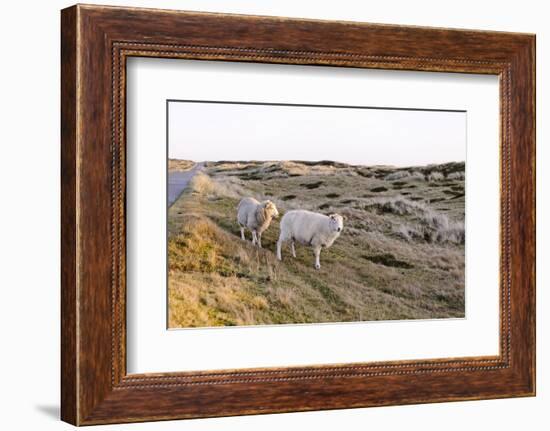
[(211, 131)]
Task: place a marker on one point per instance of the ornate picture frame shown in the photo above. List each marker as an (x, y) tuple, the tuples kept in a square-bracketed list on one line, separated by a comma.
[(96, 41)]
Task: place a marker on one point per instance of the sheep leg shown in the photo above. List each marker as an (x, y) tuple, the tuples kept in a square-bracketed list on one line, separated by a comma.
[(317, 252), (292, 248), (260, 240), (279, 244), (242, 234), (254, 238)]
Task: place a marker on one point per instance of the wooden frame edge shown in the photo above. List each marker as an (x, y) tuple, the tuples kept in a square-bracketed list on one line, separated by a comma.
[(69, 304)]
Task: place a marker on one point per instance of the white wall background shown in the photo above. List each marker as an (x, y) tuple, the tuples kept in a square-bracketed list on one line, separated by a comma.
[(29, 220)]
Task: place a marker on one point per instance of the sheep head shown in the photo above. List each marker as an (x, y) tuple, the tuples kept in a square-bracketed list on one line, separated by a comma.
[(336, 222), (270, 210)]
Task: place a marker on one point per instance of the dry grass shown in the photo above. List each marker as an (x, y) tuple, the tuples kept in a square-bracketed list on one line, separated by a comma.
[(211, 277), (202, 184), (402, 248), (424, 223), (397, 175), (435, 176), (221, 186), (179, 165), (456, 176)]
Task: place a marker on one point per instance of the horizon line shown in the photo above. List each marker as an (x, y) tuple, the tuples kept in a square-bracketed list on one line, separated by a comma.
[(316, 162)]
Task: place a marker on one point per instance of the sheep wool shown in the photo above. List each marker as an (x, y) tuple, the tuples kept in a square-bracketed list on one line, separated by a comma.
[(255, 216), (311, 229)]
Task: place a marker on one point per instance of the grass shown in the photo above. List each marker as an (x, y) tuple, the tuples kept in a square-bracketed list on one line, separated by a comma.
[(402, 258), (179, 165), (388, 259)]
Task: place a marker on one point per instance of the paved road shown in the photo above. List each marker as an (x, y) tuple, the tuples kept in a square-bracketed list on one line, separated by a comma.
[(178, 180)]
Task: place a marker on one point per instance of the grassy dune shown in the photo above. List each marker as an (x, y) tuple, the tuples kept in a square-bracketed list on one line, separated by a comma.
[(400, 256), (179, 165)]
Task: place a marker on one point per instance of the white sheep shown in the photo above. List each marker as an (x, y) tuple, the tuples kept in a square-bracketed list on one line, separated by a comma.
[(256, 216), (309, 228)]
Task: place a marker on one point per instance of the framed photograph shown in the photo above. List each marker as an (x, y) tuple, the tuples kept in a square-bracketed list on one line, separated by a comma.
[(379, 190), (264, 215)]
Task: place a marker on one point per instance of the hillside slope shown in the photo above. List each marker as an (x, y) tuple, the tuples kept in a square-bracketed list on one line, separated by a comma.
[(400, 256)]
